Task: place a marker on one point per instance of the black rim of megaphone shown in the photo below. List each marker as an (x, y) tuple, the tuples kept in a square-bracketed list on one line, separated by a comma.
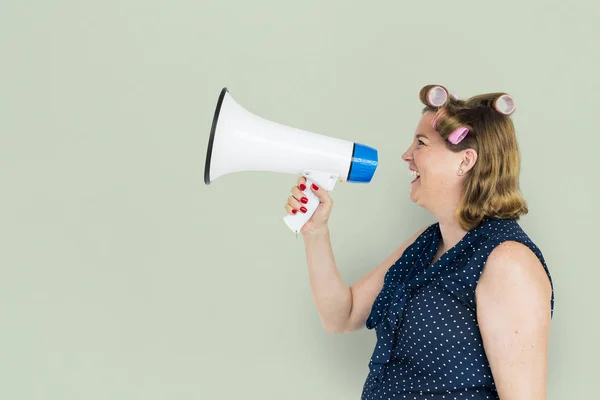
[(211, 139)]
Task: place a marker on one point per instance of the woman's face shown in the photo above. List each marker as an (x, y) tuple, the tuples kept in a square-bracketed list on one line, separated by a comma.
[(438, 180)]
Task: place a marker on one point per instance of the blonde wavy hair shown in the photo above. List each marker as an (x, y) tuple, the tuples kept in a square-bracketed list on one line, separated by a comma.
[(491, 188)]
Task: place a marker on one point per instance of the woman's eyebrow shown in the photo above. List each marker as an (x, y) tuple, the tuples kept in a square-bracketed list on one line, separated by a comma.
[(420, 135)]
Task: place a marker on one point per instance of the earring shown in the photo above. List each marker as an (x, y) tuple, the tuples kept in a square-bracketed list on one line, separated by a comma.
[(460, 171)]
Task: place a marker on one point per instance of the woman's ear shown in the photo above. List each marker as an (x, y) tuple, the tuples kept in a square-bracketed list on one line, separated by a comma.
[(469, 160)]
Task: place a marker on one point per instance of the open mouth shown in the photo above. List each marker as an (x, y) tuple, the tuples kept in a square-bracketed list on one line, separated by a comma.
[(415, 175)]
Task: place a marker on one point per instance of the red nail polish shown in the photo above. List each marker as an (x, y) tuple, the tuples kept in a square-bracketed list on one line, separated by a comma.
[(294, 211), (304, 200), (303, 209), (302, 186), (315, 187)]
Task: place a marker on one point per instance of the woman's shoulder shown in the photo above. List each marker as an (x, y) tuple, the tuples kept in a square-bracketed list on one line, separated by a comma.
[(502, 229), (509, 253), (513, 266), (502, 236)]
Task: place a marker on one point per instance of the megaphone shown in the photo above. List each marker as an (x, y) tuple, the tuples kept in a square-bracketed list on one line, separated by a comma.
[(241, 141)]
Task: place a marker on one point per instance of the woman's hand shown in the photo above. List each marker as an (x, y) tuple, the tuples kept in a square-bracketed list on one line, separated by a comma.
[(295, 204)]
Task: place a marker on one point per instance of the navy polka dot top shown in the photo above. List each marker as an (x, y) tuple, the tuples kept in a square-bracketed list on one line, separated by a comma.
[(428, 341)]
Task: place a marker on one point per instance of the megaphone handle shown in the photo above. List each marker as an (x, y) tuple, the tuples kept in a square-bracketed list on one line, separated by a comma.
[(296, 221)]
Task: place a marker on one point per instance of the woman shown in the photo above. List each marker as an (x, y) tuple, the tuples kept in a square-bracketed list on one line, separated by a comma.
[(448, 328)]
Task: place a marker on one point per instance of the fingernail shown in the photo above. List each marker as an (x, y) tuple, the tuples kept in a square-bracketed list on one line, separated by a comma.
[(303, 209), (304, 200), (302, 186), (315, 187), (294, 211)]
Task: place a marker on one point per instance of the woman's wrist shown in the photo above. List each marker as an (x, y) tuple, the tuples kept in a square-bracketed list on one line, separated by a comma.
[(316, 232)]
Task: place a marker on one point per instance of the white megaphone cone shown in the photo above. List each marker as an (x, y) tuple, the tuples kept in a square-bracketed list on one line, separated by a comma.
[(241, 141)]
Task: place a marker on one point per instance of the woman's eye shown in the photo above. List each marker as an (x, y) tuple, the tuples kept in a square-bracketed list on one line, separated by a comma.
[(421, 142)]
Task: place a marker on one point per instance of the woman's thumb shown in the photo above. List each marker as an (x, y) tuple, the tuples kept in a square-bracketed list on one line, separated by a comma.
[(321, 193)]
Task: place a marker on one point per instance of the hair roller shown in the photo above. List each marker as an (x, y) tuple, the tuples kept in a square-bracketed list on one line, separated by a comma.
[(435, 119), (504, 104), (433, 95)]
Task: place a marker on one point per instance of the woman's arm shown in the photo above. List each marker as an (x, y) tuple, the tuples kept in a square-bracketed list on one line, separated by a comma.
[(343, 308), (513, 311)]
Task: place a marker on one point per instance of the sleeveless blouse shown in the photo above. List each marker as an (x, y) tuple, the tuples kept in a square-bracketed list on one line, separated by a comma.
[(428, 341)]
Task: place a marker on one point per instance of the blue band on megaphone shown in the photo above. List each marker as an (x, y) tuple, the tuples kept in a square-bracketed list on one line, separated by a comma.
[(364, 163)]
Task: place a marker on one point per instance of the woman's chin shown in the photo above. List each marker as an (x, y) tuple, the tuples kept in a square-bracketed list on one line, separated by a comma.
[(414, 188), (412, 195), (415, 195)]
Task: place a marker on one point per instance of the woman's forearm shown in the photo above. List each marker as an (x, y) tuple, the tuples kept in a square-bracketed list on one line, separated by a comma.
[(331, 294)]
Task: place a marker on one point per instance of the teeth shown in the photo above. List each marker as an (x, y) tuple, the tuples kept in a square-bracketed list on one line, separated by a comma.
[(413, 174)]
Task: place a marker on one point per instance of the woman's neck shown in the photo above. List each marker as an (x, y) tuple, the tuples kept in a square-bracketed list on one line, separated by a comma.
[(451, 233)]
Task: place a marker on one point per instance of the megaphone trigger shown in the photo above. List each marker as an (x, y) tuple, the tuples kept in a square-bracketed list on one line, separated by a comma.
[(325, 180)]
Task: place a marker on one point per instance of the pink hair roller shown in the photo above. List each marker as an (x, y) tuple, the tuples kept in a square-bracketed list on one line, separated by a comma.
[(437, 96), (455, 137), (508, 104), (458, 135), (439, 115)]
